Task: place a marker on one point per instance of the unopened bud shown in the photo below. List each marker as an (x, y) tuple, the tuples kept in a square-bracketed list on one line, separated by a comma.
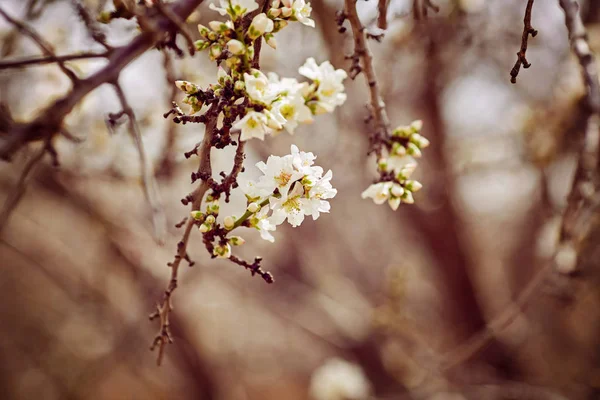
[(413, 186), (253, 207), (197, 215), (413, 150), (229, 222), (260, 24), (237, 240), (236, 47)]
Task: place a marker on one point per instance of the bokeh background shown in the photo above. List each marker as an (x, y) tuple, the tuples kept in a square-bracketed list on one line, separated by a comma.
[(422, 303)]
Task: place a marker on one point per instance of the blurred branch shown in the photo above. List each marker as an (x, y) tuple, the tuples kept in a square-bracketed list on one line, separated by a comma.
[(527, 30), (42, 44), (91, 24), (50, 59), (50, 119), (422, 10), (584, 198), (159, 220)]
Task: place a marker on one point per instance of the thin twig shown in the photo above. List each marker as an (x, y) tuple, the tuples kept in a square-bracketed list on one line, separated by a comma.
[(42, 44), (521, 55), (15, 196), (159, 220), (91, 24), (362, 52), (179, 24), (50, 59)]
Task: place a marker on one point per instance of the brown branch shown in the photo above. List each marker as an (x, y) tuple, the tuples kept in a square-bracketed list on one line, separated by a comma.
[(382, 7), (363, 52), (50, 119), (521, 55), (159, 220), (50, 59), (164, 308), (42, 44), (179, 24), (91, 24)]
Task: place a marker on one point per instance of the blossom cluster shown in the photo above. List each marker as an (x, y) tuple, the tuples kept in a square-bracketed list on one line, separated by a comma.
[(264, 104), (290, 188), (396, 166)]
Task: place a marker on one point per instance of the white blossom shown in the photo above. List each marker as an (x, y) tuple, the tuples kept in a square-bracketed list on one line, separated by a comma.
[(261, 222), (260, 25), (401, 164), (291, 206), (330, 89), (258, 87), (253, 125)]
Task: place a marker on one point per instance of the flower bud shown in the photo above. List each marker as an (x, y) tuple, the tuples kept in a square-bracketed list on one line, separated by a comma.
[(394, 203), (201, 44), (398, 149), (397, 190), (382, 163), (239, 86), (279, 25), (274, 12), (193, 102), (222, 251), (416, 126), (402, 131), (197, 215), (253, 207), (407, 197), (286, 12), (187, 87), (413, 186), (229, 222), (237, 240), (203, 30), (210, 219), (204, 228), (413, 150), (419, 140), (260, 24), (271, 41), (236, 47), (217, 26), (215, 51)]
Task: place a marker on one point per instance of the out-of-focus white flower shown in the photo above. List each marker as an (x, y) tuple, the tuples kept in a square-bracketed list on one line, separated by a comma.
[(260, 25), (318, 193), (253, 125), (338, 379), (391, 192), (330, 89), (401, 164), (235, 8)]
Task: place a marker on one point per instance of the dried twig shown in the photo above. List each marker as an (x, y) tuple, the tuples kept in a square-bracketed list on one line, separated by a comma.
[(91, 24), (521, 55), (159, 219)]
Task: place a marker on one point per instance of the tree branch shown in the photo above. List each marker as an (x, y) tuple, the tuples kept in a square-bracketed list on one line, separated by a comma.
[(527, 30), (49, 120)]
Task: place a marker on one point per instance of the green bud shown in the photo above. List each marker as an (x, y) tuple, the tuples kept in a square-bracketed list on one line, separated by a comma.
[(197, 215)]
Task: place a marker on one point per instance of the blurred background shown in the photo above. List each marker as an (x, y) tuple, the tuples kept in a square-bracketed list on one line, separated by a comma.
[(422, 303)]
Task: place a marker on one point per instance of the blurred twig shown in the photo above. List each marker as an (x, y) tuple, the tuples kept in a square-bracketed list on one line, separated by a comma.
[(42, 44), (159, 219), (49, 60)]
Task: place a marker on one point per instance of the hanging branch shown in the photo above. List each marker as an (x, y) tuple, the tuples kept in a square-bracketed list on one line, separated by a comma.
[(521, 55)]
